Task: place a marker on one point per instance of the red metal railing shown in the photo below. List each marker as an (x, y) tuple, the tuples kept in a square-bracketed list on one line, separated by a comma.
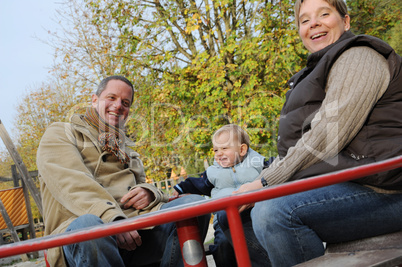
[(185, 212)]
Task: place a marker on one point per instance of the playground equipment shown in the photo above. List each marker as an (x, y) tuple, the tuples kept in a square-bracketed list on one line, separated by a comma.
[(189, 211)]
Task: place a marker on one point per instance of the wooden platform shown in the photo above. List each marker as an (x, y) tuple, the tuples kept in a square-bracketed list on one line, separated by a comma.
[(382, 251)]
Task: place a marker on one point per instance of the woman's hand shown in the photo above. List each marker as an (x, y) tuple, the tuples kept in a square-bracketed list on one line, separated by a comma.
[(129, 240), (249, 187), (246, 188), (138, 198)]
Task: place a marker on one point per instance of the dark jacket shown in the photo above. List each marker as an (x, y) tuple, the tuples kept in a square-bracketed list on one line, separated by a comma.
[(381, 136)]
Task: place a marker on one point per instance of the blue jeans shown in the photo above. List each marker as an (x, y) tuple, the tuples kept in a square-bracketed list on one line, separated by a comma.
[(160, 245), (292, 228), (258, 255), (222, 250)]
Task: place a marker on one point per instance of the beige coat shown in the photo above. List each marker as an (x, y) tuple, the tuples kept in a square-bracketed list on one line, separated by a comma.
[(77, 178)]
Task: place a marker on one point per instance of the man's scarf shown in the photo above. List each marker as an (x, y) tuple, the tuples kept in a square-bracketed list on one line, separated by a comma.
[(109, 136)]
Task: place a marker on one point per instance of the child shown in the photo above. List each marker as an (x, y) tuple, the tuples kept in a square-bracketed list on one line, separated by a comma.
[(235, 164)]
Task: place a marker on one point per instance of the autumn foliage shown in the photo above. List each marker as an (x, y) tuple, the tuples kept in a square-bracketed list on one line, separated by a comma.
[(196, 65)]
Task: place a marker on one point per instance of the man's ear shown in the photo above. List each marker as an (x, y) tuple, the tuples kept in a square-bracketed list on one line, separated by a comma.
[(243, 150), (94, 100)]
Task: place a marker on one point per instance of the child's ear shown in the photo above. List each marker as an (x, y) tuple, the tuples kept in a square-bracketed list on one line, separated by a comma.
[(243, 150)]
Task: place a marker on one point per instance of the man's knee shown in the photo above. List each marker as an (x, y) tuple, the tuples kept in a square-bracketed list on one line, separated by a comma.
[(84, 221)]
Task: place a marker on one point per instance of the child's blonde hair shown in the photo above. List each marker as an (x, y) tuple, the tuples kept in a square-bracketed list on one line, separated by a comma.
[(235, 131)]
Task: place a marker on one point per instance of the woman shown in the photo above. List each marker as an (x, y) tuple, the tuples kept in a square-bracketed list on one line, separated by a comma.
[(342, 110)]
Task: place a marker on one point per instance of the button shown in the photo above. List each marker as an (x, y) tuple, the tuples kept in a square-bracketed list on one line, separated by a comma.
[(109, 203)]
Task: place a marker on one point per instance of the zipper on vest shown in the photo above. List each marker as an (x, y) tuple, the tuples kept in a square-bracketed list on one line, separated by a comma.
[(234, 175)]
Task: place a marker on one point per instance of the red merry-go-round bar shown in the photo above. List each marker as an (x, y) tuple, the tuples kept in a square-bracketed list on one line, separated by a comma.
[(183, 216)]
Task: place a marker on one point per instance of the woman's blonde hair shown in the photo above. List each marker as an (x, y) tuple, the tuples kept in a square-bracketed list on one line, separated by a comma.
[(340, 6)]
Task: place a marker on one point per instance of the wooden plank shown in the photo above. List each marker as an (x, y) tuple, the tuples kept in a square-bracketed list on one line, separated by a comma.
[(21, 167), (384, 250), (16, 176), (30, 217), (33, 175), (19, 227), (373, 258), (5, 179), (10, 226), (387, 241)]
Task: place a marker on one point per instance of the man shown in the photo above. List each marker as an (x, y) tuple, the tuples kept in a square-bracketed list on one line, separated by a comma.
[(89, 176)]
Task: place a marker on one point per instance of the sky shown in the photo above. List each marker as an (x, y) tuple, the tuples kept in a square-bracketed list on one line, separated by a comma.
[(24, 60)]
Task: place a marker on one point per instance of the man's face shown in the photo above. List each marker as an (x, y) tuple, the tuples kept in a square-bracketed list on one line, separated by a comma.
[(113, 104)]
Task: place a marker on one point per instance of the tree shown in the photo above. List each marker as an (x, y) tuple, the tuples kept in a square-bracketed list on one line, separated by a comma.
[(375, 17), (196, 65), (5, 163), (48, 102), (86, 51), (211, 63), (396, 37)]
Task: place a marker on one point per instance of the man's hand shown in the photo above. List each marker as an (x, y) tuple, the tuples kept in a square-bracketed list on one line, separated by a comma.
[(138, 198), (129, 241), (246, 188)]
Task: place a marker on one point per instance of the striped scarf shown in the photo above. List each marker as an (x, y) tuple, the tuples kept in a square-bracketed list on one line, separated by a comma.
[(109, 136)]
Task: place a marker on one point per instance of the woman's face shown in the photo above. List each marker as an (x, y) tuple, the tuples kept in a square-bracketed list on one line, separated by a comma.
[(320, 24)]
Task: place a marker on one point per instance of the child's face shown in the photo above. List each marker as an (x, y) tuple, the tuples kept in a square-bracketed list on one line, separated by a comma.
[(228, 151)]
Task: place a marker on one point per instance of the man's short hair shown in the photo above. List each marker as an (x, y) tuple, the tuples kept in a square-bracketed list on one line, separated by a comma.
[(102, 85)]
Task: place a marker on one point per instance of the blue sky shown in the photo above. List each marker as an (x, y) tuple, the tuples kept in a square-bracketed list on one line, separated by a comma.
[(24, 60)]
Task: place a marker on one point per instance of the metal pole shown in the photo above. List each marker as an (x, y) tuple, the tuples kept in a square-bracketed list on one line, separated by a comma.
[(191, 245), (196, 209), (237, 233)]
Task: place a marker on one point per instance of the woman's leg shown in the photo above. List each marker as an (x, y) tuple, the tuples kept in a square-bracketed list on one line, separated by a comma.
[(293, 228)]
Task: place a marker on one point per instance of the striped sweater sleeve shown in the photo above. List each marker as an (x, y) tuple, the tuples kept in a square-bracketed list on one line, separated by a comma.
[(356, 81)]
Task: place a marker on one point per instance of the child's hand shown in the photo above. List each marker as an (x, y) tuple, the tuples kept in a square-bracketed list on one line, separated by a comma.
[(175, 193)]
